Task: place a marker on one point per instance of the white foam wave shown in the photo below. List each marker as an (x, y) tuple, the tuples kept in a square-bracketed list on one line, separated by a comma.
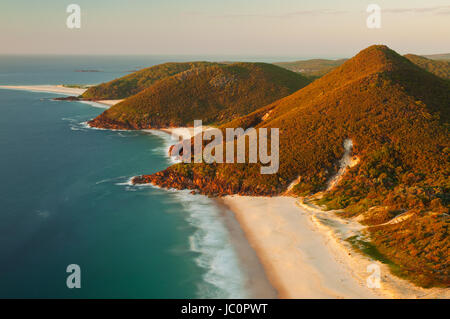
[(74, 123), (210, 240), (111, 179), (216, 254), (223, 278), (87, 126), (168, 142), (127, 183)]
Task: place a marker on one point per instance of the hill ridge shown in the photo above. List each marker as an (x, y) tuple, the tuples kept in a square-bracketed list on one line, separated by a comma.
[(214, 94), (135, 82)]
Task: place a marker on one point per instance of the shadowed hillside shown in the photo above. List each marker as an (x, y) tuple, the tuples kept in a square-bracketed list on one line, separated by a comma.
[(444, 56), (439, 68), (396, 114), (214, 94)]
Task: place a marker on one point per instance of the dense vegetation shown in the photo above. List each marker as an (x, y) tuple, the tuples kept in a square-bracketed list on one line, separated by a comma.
[(397, 116), (137, 81), (419, 246), (439, 68), (213, 94)]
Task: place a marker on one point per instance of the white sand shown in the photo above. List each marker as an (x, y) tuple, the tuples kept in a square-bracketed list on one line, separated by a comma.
[(58, 89), (304, 257), (184, 132), (109, 102), (46, 88)]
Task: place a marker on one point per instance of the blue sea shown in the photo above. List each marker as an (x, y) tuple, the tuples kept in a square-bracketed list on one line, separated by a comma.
[(65, 198)]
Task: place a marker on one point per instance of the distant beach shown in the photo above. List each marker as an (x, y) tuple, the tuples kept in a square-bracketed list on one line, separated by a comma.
[(57, 89)]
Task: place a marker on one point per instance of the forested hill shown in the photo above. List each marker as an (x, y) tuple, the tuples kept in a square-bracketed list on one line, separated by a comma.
[(215, 94), (376, 98), (397, 116), (137, 81)]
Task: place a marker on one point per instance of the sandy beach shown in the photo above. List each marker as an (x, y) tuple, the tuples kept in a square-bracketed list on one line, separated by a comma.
[(57, 89), (304, 254), (183, 132)]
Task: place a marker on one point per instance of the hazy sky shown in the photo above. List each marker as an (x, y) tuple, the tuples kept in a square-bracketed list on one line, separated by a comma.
[(325, 28)]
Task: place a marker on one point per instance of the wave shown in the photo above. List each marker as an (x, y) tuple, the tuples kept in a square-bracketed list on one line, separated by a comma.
[(75, 124), (168, 142), (113, 179), (85, 125), (210, 240), (222, 279)]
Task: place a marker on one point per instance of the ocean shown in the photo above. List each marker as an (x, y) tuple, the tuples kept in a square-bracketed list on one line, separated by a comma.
[(65, 199)]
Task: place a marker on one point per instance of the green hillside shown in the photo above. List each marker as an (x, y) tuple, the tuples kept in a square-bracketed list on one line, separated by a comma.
[(137, 81), (214, 94)]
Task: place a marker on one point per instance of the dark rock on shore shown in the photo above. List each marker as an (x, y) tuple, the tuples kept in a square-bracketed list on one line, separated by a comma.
[(67, 98), (102, 121), (200, 184)]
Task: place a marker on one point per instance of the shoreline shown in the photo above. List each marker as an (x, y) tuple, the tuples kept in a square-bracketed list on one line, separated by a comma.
[(257, 284), (57, 89)]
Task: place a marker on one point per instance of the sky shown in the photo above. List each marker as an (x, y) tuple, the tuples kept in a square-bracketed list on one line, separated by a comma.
[(295, 28)]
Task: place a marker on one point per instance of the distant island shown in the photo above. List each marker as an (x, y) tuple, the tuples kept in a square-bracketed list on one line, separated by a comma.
[(87, 70)]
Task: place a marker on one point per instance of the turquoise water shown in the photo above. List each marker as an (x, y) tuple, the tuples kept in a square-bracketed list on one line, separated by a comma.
[(64, 199)]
